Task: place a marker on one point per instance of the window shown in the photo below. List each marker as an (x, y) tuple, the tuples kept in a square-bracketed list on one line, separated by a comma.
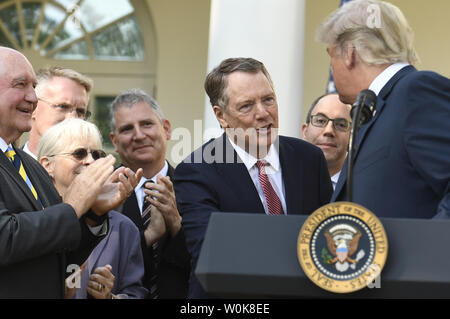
[(75, 30), (112, 42)]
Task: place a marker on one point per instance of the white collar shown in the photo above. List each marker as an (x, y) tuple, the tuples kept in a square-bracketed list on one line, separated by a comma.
[(383, 78), (3, 145), (272, 156), (163, 172), (27, 150)]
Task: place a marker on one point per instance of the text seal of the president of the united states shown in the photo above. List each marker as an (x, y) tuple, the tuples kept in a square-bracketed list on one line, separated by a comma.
[(342, 247)]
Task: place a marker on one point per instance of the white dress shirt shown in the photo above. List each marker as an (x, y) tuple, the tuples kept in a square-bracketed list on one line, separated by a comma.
[(273, 171), (334, 179), (27, 150), (3, 145), (383, 78)]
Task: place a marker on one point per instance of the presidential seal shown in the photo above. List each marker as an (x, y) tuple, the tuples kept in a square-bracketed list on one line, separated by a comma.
[(342, 247)]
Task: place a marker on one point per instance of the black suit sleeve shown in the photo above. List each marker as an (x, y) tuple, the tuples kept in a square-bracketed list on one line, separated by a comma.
[(27, 235)]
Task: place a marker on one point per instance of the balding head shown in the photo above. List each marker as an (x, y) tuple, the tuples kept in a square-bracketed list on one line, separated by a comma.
[(17, 96), (8, 54), (332, 138)]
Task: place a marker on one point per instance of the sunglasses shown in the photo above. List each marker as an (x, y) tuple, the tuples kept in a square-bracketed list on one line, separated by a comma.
[(81, 153)]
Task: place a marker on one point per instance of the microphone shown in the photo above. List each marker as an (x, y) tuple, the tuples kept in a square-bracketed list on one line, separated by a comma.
[(361, 113), (365, 104)]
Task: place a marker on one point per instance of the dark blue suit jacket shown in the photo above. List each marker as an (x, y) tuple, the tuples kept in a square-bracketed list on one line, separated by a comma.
[(205, 182), (402, 161)]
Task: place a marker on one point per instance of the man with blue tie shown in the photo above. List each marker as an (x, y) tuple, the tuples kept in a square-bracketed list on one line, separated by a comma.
[(37, 227), (402, 157), (249, 168)]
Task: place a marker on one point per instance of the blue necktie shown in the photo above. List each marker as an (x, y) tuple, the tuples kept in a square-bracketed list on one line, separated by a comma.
[(11, 154)]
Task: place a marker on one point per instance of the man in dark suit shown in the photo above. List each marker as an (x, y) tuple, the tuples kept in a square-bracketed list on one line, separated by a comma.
[(37, 229), (139, 133), (249, 168), (402, 160)]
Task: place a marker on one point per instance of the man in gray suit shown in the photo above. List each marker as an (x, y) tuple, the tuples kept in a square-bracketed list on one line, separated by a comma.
[(37, 227)]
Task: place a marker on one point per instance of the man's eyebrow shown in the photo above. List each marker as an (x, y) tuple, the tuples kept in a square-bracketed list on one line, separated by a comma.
[(125, 126), (20, 79), (23, 79)]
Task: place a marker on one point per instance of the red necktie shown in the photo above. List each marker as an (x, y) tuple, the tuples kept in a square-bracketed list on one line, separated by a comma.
[(273, 202)]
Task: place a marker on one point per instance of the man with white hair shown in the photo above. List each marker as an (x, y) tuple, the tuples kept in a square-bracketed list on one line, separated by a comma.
[(38, 227), (402, 160)]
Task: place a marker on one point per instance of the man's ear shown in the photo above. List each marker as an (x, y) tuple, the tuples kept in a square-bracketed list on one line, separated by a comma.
[(220, 115), (47, 164), (350, 57), (112, 137), (304, 126), (167, 128)]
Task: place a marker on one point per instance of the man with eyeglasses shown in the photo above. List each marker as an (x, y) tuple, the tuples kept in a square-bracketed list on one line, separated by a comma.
[(328, 126), (62, 93), (39, 229)]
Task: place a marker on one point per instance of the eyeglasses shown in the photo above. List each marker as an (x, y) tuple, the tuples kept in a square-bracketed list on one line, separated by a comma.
[(65, 108), (339, 124), (81, 153)]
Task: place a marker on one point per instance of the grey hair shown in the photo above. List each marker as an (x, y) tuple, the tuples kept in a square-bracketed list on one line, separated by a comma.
[(129, 98), (60, 135), (216, 83), (377, 30), (46, 74)]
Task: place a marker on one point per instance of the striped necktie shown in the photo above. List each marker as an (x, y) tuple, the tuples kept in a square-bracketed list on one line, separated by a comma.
[(11, 154), (273, 201), (153, 291)]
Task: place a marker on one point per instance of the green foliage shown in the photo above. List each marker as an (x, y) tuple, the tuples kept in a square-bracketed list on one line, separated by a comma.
[(326, 257)]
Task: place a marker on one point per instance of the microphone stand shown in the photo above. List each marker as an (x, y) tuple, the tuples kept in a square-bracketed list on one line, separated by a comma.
[(362, 112), (350, 156)]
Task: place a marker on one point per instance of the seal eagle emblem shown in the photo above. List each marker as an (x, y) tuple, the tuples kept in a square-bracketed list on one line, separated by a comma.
[(342, 247), (342, 243)]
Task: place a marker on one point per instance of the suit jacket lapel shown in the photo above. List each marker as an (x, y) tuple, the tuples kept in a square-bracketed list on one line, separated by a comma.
[(38, 182), (170, 171), (381, 102), (236, 174), (131, 210), (292, 173), (9, 168)]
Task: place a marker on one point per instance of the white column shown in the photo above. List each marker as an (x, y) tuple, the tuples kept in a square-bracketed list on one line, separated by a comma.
[(271, 31)]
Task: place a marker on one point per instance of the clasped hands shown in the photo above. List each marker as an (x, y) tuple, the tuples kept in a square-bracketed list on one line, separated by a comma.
[(164, 213), (101, 188)]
